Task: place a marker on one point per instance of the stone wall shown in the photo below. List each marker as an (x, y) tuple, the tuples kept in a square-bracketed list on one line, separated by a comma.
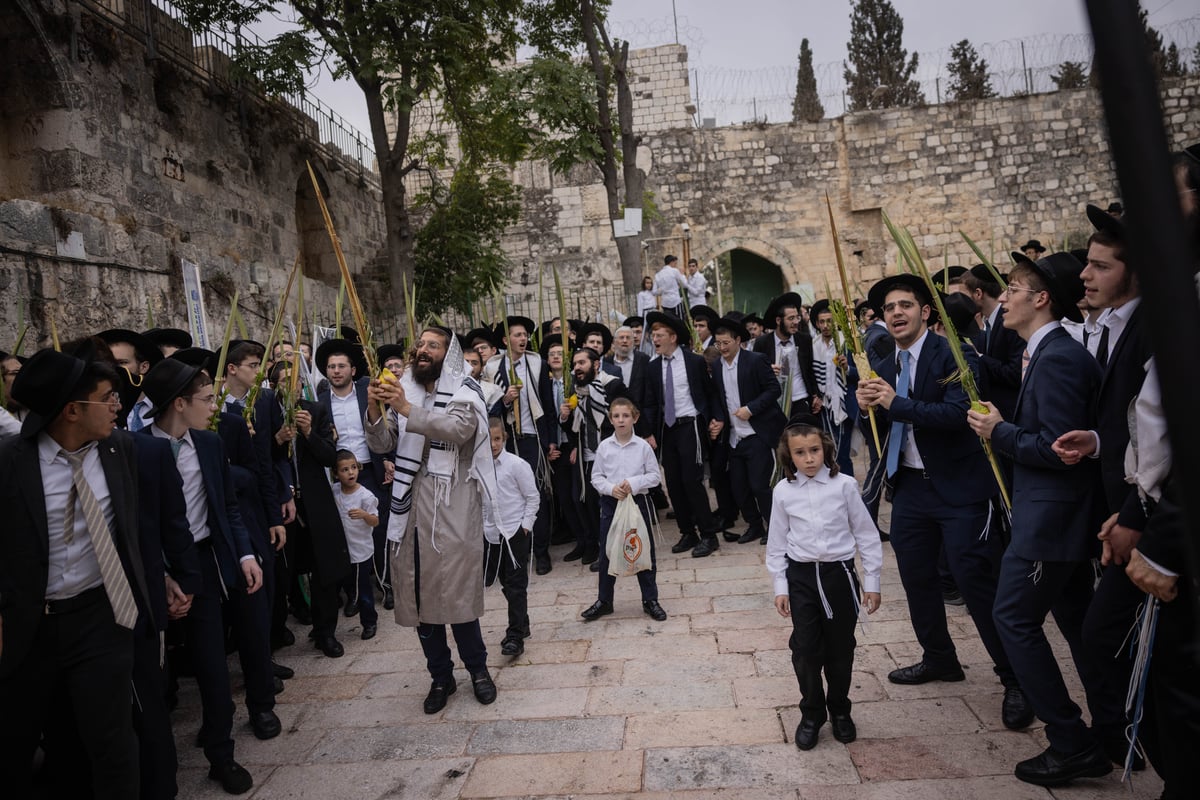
[(115, 168)]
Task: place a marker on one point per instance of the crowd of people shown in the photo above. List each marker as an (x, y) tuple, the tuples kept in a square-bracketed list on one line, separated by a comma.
[(169, 504)]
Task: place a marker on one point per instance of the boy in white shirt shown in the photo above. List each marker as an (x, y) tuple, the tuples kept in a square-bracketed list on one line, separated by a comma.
[(359, 509), (624, 466), (512, 518)]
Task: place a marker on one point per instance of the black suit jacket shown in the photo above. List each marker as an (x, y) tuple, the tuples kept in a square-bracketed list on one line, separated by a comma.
[(1055, 506), (937, 411), (24, 538), (163, 534), (253, 477), (700, 385), (321, 544), (360, 392), (1122, 381), (1000, 365), (635, 390), (766, 345), (758, 391)]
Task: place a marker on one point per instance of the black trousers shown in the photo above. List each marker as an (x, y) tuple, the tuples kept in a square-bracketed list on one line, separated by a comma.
[(250, 617), (152, 721), (514, 579), (750, 466), (682, 459), (1172, 735), (647, 578), (204, 633), (529, 449), (823, 641), (83, 660), (728, 505), (467, 636), (586, 502), (567, 523), (1109, 619)]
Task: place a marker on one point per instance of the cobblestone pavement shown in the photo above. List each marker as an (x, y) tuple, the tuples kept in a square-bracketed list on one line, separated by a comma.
[(701, 706)]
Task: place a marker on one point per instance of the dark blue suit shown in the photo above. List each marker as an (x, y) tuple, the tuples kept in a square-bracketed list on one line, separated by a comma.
[(877, 344), (946, 503), (683, 445), (751, 460), (1047, 566), (1000, 365)]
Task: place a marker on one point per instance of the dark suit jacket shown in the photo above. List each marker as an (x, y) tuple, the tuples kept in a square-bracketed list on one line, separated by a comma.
[(24, 539), (163, 534), (231, 540), (321, 544), (699, 383), (1000, 365), (1123, 378), (937, 411), (635, 390), (758, 391), (877, 342), (252, 478), (1055, 507), (766, 343), (360, 392)]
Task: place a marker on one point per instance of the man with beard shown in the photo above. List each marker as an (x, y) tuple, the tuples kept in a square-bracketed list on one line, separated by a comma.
[(789, 350), (135, 355), (437, 429), (836, 381), (586, 426)]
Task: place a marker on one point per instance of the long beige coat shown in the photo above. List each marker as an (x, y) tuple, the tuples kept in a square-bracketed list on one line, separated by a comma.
[(451, 581)]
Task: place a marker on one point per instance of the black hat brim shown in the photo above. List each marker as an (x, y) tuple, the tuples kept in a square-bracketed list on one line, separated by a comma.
[(879, 292), (1103, 221), (349, 349), (704, 312), (171, 387), (44, 385), (397, 351), (782, 301), (144, 345), (198, 357), (733, 326), (606, 337), (172, 337), (671, 321), (1061, 274)]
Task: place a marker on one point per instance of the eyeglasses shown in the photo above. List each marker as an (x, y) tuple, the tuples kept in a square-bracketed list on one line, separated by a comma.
[(211, 400), (112, 398), (1010, 289)]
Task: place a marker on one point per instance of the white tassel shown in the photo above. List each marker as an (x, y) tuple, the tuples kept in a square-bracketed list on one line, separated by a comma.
[(821, 591)]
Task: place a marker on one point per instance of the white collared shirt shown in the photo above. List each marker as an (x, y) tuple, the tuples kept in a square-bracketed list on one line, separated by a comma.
[(518, 501), (626, 367), (667, 283), (739, 428), (684, 407), (821, 519), (697, 286), (347, 421), (1034, 341), (359, 539), (194, 491), (785, 349), (73, 567), (631, 461), (646, 301), (910, 456), (1115, 319)]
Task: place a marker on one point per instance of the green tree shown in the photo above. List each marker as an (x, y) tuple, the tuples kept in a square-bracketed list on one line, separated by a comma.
[(806, 107), (880, 72), (1174, 66), (1070, 75), (400, 54), (968, 74)]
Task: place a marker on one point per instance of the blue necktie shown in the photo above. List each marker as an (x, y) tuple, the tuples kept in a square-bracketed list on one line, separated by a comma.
[(896, 438), (136, 423)]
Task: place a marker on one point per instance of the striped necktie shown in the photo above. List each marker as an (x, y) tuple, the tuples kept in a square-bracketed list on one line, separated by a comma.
[(116, 585), (1024, 363)]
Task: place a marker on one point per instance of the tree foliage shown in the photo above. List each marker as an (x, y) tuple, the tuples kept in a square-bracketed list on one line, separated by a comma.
[(806, 106), (879, 73), (1070, 75), (968, 74), (1174, 66)]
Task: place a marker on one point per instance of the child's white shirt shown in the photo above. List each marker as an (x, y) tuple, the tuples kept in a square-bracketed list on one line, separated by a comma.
[(632, 461), (359, 540), (517, 505)]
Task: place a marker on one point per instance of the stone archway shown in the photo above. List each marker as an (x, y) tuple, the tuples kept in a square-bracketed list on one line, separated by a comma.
[(755, 271), (320, 262)]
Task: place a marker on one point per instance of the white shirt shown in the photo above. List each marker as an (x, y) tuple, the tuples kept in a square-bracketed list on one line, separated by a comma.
[(1115, 319), (910, 456), (347, 421), (821, 519), (241, 401), (696, 286), (359, 539), (517, 504), (646, 301), (73, 567), (739, 428), (667, 283), (9, 425), (626, 367), (785, 352), (631, 461), (194, 492), (684, 407), (1034, 341)]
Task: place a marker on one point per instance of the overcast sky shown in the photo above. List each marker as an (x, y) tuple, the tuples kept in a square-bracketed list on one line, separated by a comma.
[(747, 48)]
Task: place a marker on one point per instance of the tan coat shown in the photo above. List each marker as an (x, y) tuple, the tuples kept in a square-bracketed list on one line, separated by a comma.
[(451, 581)]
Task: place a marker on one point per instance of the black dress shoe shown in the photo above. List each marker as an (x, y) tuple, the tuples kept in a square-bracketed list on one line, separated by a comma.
[(368, 632), (1053, 768), (265, 724), (1016, 711), (329, 646), (512, 646), (575, 554), (596, 610), (924, 673), (730, 536), (654, 610), (284, 639), (843, 728), (953, 598), (806, 733), (708, 545), (670, 513), (276, 684), (232, 776), (594, 566), (685, 543), (351, 608), (751, 535), (280, 671), (389, 599), (435, 701), (590, 555), (543, 565), (485, 689)]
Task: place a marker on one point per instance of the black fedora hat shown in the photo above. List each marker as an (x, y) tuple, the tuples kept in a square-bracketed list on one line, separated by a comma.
[(682, 335), (1103, 221), (172, 337), (146, 347), (634, 321), (44, 385), (961, 310), (1061, 272), (606, 336), (384, 352), (548, 341), (1115, 208), (503, 325), (818, 308), (944, 277), (165, 381), (351, 350), (982, 274), (1033, 244), (879, 291), (701, 311), (482, 334), (782, 301), (735, 327), (198, 357), (752, 317), (350, 335)]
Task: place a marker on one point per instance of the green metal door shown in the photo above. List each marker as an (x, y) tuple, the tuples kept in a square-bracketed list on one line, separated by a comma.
[(755, 281)]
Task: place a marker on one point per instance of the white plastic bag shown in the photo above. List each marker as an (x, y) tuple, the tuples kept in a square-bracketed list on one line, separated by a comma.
[(628, 540)]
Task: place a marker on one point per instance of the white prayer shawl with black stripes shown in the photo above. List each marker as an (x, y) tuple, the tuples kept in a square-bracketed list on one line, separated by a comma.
[(587, 420), (830, 382)]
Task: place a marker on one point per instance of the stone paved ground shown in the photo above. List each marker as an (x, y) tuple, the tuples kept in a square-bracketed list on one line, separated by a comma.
[(701, 706)]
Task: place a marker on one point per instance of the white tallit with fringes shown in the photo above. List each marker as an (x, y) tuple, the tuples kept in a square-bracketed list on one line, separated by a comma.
[(829, 379), (440, 465)]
